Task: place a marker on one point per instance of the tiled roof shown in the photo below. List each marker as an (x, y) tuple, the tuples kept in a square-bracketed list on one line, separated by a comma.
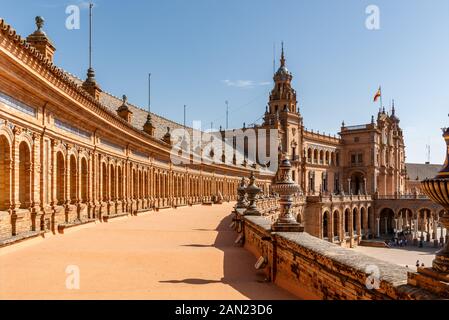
[(139, 116), (418, 171)]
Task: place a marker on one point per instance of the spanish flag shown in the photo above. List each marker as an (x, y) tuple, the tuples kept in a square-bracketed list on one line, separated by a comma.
[(378, 94)]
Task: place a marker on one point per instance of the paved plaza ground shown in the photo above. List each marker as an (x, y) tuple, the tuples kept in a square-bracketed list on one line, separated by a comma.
[(185, 253), (405, 256)]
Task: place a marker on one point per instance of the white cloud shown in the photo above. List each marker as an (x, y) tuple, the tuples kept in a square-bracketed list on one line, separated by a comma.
[(244, 83)]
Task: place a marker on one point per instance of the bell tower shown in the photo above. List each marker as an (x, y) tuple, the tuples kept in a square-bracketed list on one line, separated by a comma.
[(282, 113), (283, 96)]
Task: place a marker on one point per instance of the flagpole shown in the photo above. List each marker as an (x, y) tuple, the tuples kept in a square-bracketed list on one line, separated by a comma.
[(380, 90)]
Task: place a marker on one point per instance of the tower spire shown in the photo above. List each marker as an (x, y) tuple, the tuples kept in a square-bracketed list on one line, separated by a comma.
[(282, 56)]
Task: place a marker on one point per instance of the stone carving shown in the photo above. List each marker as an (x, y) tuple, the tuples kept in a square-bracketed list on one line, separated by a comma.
[(241, 192), (286, 188), (252, 190)]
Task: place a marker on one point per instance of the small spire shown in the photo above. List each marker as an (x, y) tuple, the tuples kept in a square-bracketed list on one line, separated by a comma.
[(372, 119), (393, 110), (282, 56)]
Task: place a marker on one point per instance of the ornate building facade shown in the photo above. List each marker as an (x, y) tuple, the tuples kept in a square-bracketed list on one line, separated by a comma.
[(354, 186), (71, 153)]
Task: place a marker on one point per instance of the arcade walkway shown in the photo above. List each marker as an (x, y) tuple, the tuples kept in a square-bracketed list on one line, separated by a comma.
[(186, 253)]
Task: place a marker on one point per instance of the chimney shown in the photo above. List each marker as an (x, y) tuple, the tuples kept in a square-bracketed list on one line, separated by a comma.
[(124, 112), (39, 40)]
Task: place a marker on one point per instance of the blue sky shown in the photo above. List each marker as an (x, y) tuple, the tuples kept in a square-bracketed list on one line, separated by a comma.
[(204, 52)]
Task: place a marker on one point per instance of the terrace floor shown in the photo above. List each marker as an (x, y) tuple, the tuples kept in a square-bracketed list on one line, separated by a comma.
[(184, 253)]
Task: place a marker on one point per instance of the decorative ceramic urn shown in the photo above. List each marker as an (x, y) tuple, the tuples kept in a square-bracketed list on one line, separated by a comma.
[(241, 192), (286, 188), (252, 190)]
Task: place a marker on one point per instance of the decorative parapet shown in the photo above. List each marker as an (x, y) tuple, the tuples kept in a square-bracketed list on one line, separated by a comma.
[(338, 198), (312, 268)]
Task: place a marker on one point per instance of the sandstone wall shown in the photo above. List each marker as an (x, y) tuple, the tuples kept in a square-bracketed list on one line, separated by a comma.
[(315, 269)]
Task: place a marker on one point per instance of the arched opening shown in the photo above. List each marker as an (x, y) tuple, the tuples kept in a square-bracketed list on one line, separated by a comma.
[(112, 182), (5, 174), (104, 189), (60, 179), (135, 190), (24, 176), (357, 183), (370, 218), (326, 225), (363, 220), (387, 222), (347, 221), (84, 183), (336, 224), (120, 182), (140, 185), (354, 221), (309, 155), (315, 156), (73, 182)]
